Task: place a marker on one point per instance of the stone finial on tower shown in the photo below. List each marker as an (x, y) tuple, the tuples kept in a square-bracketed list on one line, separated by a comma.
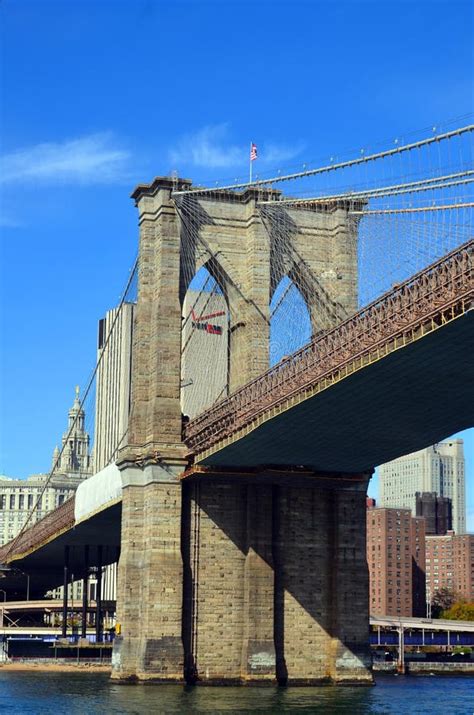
[(55, 458)]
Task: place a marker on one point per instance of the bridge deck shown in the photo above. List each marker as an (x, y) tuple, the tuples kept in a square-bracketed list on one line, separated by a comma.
[(391, 379), (43, 558), (406, 400)]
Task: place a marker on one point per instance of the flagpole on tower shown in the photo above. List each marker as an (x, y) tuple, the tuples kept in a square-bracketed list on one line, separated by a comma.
[(253, 156)]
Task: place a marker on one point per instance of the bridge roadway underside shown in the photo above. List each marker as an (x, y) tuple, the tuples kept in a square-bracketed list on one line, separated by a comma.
[(410, 399), (45, 565)]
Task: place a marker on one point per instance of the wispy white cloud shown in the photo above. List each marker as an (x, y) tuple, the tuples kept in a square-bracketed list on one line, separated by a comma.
[(208, 147), (212, 148), (91, 159), (278, 153)]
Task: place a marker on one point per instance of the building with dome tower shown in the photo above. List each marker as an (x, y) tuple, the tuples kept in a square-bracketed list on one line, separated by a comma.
[(70, 467), (74, 457)]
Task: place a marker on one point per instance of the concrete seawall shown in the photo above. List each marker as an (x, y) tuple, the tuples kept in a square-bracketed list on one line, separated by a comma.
[(441, 668), (427, 668)]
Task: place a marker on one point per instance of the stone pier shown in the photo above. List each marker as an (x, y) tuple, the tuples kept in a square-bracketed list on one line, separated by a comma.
[(246, 580), (279, 580)]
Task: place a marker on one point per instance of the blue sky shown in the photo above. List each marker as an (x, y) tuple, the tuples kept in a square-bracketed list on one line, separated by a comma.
[(100, 95)]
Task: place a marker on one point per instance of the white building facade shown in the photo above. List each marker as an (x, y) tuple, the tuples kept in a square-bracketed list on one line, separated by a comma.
[(112, 404), (439, 468), (18, 498)]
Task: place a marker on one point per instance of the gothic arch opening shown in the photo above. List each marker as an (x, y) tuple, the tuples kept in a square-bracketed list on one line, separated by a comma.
[(290, 321), (204, 343)]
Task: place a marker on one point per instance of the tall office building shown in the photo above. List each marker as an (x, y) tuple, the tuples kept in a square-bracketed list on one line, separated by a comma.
[(450, 564), (440, 469), (396, 561), (112, 403), (112, 406)]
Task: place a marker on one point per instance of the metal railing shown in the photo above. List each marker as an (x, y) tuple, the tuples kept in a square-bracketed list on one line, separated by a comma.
[(48, 527)]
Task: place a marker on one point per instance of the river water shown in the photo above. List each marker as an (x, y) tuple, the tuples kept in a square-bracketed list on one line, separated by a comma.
[(88, 694)]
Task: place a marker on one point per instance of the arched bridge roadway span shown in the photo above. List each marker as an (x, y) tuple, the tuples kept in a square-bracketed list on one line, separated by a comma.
[(395, 377)]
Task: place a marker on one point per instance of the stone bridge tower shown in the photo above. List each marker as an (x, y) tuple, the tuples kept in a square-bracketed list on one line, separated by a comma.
[(248, 578)]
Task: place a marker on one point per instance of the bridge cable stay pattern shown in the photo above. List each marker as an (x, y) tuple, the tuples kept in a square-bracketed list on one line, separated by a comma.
[(221, 304), (458, 179), (364, 158), (405, 208)]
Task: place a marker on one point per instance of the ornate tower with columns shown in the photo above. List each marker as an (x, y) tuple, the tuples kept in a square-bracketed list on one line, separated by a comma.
[(76, 457)]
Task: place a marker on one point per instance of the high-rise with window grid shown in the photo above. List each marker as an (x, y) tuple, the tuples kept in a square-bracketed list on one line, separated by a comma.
[(439, 468)]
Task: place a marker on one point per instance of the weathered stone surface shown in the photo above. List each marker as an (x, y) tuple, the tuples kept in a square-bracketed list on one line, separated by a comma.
[(149, 603), (270, 599)]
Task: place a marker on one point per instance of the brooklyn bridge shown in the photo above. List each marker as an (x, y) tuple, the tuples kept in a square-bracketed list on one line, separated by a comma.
[(289, 335)]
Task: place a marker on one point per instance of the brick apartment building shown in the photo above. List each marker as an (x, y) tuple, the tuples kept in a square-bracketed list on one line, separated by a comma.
[(396, 561), (450, 564)]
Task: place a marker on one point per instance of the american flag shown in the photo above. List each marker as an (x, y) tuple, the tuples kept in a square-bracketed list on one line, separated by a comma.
[(253, 152)]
